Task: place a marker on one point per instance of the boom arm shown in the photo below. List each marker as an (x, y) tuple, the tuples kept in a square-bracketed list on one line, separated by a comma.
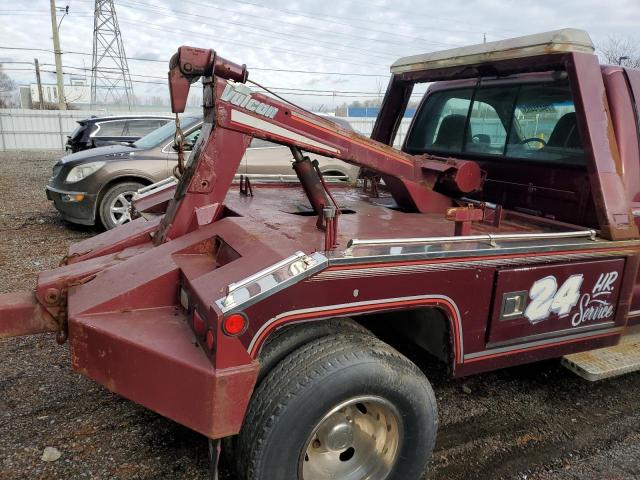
[(234, 114)]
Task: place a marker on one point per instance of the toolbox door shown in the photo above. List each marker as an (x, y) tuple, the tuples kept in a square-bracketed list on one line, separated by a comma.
[(539, 302)]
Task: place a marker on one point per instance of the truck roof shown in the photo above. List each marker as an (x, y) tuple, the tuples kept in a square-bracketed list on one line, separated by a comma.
[(556, 41)]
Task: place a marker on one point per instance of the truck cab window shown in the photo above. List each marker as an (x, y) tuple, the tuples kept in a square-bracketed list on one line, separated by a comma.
[(489, 120), (530, 122), (440, 125), (545, 126)]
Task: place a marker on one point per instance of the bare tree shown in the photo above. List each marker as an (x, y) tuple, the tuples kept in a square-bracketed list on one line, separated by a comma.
[(620, 51), (7, 90)]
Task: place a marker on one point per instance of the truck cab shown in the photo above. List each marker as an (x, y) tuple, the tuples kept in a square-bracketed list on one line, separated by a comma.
[(523, 131)]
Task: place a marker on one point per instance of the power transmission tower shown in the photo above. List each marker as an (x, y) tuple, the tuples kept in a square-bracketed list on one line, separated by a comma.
[(110, 78)]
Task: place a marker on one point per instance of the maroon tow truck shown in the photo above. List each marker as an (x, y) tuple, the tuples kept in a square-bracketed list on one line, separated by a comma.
[(504, 231)]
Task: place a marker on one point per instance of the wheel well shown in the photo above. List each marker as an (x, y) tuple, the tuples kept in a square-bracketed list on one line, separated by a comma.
[(332, 172), (115, 181), (429, 328)]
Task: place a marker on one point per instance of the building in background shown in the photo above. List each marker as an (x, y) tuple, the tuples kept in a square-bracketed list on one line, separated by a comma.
[(77, 92)]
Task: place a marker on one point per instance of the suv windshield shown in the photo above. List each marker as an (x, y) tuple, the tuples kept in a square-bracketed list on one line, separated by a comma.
[(163, 133)]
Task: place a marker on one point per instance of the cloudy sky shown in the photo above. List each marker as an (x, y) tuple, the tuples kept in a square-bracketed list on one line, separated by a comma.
[(349, 44)]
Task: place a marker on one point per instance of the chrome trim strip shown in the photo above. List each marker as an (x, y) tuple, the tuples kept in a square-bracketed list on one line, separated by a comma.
[(633, 313), (269, 322), (489, 352), (381, 254), (64, 192), (554, 333), (266, 282), (128, 117), (489, 238), (455, 263), (165, 184)]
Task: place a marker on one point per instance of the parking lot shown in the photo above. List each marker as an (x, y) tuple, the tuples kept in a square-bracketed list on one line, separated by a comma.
[(533, 422)]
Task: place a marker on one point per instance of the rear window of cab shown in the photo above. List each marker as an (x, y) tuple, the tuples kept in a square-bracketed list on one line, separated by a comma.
[(527, 122)]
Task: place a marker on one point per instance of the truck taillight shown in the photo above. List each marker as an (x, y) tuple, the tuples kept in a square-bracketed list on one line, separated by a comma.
[(198, 323), (235, 324)]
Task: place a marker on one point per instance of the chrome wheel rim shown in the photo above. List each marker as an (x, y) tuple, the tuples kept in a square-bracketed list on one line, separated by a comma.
[(120, 208), (358, 439)]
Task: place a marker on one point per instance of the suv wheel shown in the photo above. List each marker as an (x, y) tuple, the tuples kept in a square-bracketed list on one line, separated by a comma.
[(115, 205)]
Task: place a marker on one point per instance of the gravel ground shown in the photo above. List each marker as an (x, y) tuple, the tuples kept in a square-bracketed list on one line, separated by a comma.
[(533, 422)]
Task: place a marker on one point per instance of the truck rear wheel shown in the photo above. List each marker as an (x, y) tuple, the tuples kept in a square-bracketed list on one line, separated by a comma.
[(342, 406)]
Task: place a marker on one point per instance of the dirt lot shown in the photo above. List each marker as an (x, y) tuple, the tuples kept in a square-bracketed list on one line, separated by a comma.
[(534, 422)]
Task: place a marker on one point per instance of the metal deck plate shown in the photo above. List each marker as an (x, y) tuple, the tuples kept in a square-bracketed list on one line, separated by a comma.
[(607, 362)]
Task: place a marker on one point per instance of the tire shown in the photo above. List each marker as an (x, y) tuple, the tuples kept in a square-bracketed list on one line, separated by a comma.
[(307, 418), (277, 347), (118, 197), (286, 340)]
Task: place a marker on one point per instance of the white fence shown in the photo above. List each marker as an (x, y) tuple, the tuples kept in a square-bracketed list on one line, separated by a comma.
[(22, 129)]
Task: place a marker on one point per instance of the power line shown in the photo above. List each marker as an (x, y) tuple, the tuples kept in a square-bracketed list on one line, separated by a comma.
[(336, 20), (283, 90), (353, 19), (166, 62), (234, 42), (316, 27), (271, 33)]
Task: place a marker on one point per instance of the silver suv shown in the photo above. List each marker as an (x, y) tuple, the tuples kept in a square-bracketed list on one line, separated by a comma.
[(96, 186)]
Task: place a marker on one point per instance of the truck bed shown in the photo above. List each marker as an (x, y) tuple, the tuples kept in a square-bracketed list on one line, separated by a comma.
[(363, 217)]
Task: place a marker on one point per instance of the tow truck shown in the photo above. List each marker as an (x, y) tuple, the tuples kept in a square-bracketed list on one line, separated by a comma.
[(503, 231)]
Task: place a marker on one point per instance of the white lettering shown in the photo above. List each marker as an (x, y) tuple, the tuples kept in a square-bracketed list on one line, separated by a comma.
[(227, 93), (241, 98), (237, 99), (604, 285), (590, 309), (546, 298)]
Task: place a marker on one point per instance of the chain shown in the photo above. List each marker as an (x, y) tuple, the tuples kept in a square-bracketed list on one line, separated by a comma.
[(178, 140)]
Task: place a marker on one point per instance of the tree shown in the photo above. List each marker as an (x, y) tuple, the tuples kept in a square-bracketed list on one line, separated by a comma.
[(7, 90), (620, 51)]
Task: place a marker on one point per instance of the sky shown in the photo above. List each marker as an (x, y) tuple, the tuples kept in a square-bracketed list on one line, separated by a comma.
[(348, 44)]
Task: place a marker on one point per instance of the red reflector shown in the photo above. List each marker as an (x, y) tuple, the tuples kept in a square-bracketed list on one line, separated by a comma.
[(198, 324), (234, 324), (210, 340)]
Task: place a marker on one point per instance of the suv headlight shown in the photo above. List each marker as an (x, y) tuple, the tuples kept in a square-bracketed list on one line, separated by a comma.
[(83, 171)]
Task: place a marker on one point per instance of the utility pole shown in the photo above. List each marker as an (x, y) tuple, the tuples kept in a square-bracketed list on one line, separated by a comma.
[(56, 49), (40, 95)]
